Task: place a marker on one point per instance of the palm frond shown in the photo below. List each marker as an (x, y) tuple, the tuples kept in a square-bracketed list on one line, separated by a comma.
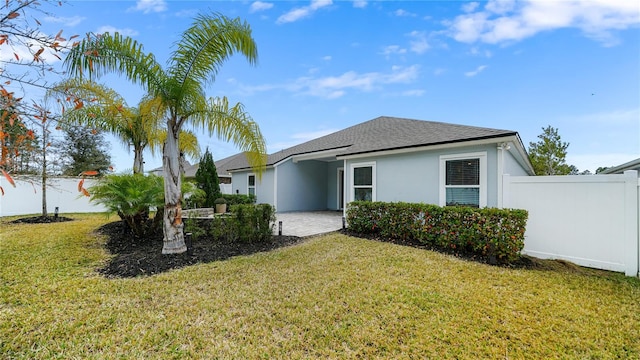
[(101, 54), (235, 125), (205, 46)]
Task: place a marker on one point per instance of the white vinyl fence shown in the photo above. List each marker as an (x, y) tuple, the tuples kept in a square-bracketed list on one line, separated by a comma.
[(26, 197), (590, 220)]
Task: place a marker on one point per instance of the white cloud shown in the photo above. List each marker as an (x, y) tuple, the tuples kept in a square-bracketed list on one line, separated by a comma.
[(112, 30), (500, 6), (260, 6), (393, 49), (414, 92), (360, 4), (503, 21), (475, 51), (475, 72), (303, 12), (470, 7), (67, 21), (332, 87), (147, 6), (614, 117), (327, 58), (419, 44), (439, 71), (404, 13), (187, 13), (25, 54)]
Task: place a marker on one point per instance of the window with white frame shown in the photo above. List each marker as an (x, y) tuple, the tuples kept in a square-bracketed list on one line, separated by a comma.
[(363, 181), (463, 180), (251, 184)]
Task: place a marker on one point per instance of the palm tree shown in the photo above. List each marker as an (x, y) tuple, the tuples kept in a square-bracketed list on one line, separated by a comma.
[(200, 53), (107, 110)]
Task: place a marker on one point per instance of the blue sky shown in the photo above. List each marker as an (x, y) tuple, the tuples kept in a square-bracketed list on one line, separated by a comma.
[(325, 65)]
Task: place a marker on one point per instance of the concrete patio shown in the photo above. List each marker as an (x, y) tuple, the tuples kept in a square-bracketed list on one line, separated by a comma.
[(308, 223)]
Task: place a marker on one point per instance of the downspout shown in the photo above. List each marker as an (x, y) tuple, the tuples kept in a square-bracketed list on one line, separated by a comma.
[(275, 187), (344, 190), (500, 166)]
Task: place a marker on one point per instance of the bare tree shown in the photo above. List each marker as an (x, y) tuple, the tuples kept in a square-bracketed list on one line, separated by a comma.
[(27, 56)]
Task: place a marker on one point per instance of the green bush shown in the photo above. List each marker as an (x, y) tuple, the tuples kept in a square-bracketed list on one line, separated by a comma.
[(131, 196), (245, 223), (237, 199), (494, 234), (254, 222)]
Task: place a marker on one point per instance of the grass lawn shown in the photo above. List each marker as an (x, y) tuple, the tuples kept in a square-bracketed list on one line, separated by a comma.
[(330, 297)]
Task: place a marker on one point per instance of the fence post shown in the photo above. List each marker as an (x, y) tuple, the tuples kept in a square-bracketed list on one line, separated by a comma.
[(632, 239), (506, 189)]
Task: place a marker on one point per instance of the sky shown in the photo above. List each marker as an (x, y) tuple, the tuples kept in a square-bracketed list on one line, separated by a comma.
[(326, 65)]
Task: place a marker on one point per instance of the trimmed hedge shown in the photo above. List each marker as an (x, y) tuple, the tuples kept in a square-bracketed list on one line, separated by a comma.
[(494, 234)]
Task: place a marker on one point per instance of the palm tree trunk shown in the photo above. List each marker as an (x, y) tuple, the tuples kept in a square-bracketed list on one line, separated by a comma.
[(138, 164), (172, 217)]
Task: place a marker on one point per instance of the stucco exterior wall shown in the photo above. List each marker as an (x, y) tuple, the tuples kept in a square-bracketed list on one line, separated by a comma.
[(264, 186), (415, 177), (511, 166), (309, 185), (332, 185), (301, 186)]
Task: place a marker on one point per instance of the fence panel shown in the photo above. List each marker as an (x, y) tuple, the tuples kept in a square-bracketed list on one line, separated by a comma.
[(589, 220), (26, 197)]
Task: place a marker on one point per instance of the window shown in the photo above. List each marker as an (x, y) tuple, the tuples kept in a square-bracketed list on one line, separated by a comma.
[(463, 180), (251, 184), (363, 177)]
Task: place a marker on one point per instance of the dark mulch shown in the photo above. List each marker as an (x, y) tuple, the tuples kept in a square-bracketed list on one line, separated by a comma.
[(41, 220), (139, 258)]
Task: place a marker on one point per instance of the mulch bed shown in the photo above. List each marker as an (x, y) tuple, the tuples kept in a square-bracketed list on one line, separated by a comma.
[(139, 258), (133, 257), (41, 220)]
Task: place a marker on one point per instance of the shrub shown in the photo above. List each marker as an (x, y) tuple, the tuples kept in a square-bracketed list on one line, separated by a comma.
[(246, 223), (193, 196), (131, 196), (494, 234), (236, 199), (254, 223), (207, 179), (220, 201)]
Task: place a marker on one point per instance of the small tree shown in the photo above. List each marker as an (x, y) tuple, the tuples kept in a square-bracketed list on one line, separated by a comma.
[(84, 149), (549, 153), (207, 179)]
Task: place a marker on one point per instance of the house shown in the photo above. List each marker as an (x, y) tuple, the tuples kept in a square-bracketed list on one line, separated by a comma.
[(224, 176), (388, 159), (190, 170), (631, 165)]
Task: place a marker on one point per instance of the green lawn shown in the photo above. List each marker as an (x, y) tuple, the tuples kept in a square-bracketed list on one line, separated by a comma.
[(329, 297)]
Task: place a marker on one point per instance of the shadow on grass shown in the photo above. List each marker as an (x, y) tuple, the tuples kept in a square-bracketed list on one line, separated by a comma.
[(524, 262)]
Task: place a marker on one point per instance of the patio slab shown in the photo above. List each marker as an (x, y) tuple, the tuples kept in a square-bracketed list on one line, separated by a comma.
[(311, 223)]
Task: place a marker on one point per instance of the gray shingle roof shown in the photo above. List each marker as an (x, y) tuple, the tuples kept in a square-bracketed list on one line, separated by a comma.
[(380, 134)]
